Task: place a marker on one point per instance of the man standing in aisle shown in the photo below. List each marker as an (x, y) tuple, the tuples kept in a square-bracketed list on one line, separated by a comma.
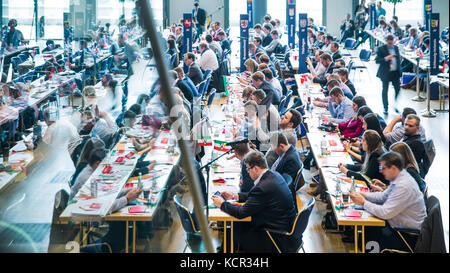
[(199, 16), (388, 56)]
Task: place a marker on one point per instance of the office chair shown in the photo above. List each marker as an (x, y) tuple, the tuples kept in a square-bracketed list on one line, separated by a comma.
[(193, 237), (296, 233), (430, 238)]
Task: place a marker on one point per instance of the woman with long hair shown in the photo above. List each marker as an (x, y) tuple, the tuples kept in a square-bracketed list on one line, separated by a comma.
[(411, 165), (374, 148)]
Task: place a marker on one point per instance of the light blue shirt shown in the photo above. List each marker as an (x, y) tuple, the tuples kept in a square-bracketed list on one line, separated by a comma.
[(343, 112), (259, 178), (401, 204)]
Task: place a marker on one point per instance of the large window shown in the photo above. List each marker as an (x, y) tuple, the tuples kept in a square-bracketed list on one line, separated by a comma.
[(312, 8), (408, 11), (237, 7), (51, 13)]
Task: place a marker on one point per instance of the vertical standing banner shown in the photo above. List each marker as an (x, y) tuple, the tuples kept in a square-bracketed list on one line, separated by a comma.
[(187, 35), (302, 42), (372, 16), (250, 12), (434, 44), (244, 40), (427, 9), (290, 22)]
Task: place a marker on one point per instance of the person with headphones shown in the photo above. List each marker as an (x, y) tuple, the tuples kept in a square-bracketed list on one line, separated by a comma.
[(14, 37)]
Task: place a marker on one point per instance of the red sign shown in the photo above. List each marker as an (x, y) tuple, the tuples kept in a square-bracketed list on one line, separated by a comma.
[(187, 23), (291, 12), (244, 23), (303, 23)]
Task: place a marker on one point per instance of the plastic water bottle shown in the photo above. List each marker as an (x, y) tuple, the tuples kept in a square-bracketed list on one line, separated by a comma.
[(352, 184), (140, 185), (323, 146), (94, 188)]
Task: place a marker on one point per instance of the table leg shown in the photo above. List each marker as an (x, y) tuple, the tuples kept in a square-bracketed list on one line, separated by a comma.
[(81, 234), (224, 236), (356, 239), (134, 236), (231, 236), (363, 242), (441, 100), (126, 236)]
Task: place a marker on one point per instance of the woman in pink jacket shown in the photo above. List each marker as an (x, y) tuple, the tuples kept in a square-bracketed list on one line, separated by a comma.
[(353, 127)]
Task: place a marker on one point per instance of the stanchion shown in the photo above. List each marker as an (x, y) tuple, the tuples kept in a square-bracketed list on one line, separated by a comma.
[(428, 113), (418, 97), (442, 87)]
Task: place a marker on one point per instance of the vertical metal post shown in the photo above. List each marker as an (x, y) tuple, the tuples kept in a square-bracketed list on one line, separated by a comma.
[(418, 97), (166, 91), (36, 27), (428, 113)]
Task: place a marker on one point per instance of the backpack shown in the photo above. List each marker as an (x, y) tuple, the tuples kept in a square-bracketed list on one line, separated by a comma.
[(28, 117), (329, 222)]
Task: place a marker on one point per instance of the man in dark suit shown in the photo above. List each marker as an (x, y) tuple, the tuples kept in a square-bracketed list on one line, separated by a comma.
[(288, 161), (347, 28), (267, 28), (199, 16), (179, 40), (388, 56), (413, 139), (336, 54), (182, 85), (329, 65), (194, 73), (224, 42), (269, 203), (259, 82), (343, 74), (241, 150)]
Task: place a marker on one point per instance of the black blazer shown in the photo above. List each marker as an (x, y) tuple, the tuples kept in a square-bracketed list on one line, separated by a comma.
[(290, 163), (384, 71), (351, 86), (247, 181), (195, 74), (185, 89), (336, 56), (269, 203), (201, 16), (266, 41), (268, 88)]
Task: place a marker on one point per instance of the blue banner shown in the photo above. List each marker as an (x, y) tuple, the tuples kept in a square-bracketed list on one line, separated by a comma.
[(244, 39), (302, 42), (434, 44), (372, 16), (290, 22), (187, 35), (250, 12), (427, 9)]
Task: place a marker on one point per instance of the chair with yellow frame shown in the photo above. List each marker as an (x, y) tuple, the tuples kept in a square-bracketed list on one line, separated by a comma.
[(295, 236)]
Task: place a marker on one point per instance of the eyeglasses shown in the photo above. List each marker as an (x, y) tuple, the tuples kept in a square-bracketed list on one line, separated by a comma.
[(248, 169), (383, 168)]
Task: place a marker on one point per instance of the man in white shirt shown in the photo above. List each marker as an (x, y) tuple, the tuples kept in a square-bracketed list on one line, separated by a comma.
[(401, 204), (208, 59)]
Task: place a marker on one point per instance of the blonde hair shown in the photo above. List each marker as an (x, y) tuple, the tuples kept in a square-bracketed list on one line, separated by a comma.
[(405, 151), (252, 65)]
